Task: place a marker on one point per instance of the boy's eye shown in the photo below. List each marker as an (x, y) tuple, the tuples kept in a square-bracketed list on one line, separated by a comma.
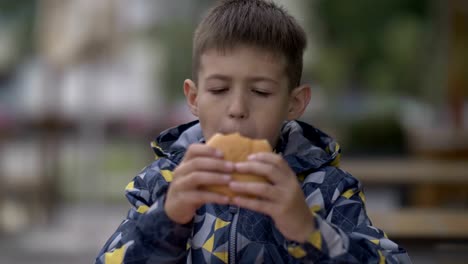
[(218, 90), (261, 93)]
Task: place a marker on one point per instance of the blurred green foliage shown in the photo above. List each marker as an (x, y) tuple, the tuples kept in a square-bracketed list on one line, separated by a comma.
[(177, 38), (370, 54), (375, 135), (17, 20), (377, 46)]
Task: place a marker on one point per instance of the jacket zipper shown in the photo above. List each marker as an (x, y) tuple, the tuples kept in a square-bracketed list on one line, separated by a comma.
[(232, 246)]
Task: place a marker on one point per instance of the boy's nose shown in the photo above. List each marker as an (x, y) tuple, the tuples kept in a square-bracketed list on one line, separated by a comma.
[(238, 108)]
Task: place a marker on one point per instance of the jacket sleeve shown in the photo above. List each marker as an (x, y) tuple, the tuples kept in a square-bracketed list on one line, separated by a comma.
[(343, 231), (147, 234)]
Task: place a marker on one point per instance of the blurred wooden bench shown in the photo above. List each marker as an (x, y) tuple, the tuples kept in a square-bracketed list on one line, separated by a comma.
[(428, 183), (435, 195), (408, 171), (423, 224)]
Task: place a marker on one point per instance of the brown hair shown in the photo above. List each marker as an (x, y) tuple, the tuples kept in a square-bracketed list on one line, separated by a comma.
[(258, 23)]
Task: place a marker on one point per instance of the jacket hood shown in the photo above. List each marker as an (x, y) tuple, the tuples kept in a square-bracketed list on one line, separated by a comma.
[(303, 146)]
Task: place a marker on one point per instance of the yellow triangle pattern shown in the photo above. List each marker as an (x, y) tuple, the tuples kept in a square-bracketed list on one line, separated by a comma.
[(130, 186), (382, 258), (375, 241), (301, 177), (316, 239), (167, 174), (115, 257), (220, 224), (208, 246), (142, 209), (222, 256), (296, 252), (155, 145), (315, 208), (363, 197), (336, 161), (348, 193)]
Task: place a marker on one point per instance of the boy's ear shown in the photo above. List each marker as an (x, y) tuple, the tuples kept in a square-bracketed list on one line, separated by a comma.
[(298, 101), (191, 93)]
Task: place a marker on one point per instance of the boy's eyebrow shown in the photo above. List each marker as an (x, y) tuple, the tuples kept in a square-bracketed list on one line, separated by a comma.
[(250, 79), (218, 77), (262, 79)]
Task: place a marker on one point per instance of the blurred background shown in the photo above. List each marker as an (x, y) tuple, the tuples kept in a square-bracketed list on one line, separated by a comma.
[(85, 86)]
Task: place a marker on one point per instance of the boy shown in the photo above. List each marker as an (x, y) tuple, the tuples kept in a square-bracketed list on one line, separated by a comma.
[(247, 66)]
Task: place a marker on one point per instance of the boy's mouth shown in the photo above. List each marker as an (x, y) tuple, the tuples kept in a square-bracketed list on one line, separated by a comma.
[(231, 131)]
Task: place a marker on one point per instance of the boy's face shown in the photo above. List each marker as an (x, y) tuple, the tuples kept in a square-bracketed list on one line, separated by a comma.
[(244, 90)]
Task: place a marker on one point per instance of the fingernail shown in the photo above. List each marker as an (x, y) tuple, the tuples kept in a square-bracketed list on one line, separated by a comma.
[(251, 157), (218, 153), (240, 164), (233, 184), (229, 165), (226, 177)]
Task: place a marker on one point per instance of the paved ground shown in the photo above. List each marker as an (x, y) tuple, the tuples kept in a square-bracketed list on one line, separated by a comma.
[(75, 236)]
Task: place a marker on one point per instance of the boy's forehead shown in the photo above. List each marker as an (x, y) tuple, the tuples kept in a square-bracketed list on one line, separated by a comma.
[(243, 57)]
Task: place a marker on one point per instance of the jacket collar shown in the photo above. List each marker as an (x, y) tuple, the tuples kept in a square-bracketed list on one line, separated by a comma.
[(303, 146)]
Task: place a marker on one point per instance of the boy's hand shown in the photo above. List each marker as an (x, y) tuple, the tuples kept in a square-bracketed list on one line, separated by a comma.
[(283, 199), (202, 165)]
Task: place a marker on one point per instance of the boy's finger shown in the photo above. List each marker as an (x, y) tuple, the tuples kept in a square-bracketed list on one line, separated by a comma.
[(263, 191), (261, 169), (268, 157), (205, 164), (199, 198), (200, 178), (202, 150)]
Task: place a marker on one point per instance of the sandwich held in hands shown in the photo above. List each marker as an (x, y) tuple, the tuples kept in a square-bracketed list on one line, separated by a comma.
[(237, 148)]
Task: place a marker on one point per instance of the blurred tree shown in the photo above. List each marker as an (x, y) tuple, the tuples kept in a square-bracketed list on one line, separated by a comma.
[(177, 38), (373, 46), (372, 53), (457, 79), (16, 32), (176, 35)]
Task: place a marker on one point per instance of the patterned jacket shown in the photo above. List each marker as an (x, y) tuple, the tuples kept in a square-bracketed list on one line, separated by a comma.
[(228, 234)]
